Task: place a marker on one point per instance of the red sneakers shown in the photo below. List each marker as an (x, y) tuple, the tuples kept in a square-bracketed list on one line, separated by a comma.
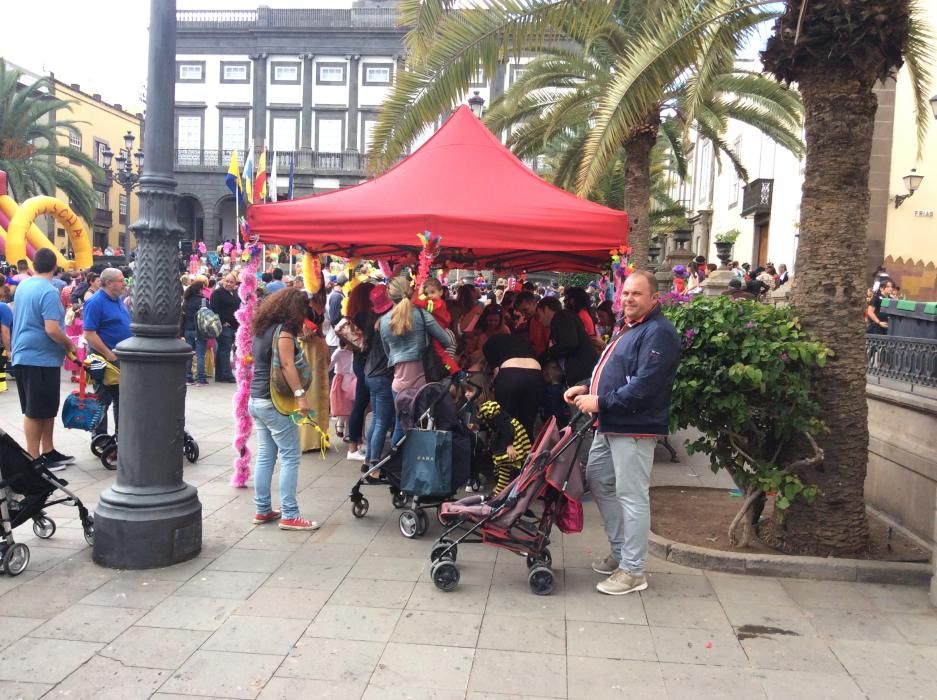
[(299, 523), (261, 518)]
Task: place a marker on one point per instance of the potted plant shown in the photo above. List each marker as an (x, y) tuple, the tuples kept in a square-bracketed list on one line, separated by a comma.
[(724, 243), (682, 234)]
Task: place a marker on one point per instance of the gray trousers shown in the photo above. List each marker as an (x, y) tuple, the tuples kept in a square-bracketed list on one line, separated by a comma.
[(619, 476)]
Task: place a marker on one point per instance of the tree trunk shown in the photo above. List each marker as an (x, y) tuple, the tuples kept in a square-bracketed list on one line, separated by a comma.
[(637, 196), (830, 295)]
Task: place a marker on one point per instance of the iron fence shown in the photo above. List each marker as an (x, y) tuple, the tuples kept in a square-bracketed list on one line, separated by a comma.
[(304, 160), (911, 360)]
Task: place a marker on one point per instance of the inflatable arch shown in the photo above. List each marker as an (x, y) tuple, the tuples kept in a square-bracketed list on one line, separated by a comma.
[(22, 230)]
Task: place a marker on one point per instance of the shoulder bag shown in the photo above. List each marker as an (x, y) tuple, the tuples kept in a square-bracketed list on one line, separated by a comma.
[(280, 392)]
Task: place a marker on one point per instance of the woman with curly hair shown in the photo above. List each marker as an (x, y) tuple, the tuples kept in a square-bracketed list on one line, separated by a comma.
[(277, 433)]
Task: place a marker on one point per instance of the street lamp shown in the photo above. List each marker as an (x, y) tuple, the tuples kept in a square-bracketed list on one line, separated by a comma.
[(912, 181), (477, 104), (933, 105), (125, 176)]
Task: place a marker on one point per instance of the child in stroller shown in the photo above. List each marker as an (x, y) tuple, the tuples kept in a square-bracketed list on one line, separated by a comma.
[(26, 487), (508, 440)]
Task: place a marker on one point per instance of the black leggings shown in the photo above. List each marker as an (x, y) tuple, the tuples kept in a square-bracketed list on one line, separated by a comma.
[(362, 398), (518, 391)]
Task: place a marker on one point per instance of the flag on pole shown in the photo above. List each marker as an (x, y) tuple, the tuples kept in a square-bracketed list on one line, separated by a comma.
[(289, 193), (249, 175), (273, 178), (260, 183), (233, 178)]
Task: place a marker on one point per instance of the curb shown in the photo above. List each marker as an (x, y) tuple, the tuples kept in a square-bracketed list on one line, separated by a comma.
[(787, 566)]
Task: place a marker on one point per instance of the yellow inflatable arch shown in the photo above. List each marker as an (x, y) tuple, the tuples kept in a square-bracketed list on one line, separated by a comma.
[(23, 229)]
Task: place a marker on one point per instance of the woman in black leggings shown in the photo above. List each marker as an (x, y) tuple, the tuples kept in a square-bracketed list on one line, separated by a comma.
[(518, 379)]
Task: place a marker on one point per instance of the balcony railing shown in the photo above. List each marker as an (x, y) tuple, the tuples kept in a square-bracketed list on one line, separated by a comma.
[(756, 199), (267, 18), (910, 360), (304, 161)]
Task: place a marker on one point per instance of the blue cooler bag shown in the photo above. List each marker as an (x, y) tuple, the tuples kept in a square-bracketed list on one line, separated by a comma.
[(82, 411), (427, 463)]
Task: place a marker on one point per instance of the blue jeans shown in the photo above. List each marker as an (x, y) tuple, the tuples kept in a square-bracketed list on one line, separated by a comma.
[(383, 415), (619, 476), (200, 345), (223, 355), (275, 433)]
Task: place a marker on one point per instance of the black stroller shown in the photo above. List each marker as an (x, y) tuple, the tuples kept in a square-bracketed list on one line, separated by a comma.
[(430, 408), (26, 489)]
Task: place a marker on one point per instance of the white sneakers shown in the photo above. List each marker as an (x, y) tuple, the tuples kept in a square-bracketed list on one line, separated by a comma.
[(356, 456)]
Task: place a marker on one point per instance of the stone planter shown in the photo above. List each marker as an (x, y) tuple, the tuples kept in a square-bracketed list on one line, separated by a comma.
[(681, 237), (724, 252)]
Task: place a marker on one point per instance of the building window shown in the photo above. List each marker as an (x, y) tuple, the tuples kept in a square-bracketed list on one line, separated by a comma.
[(704, 183), (378, 74), (233, 136), (60, 233), (287, 73), (478, 80), (74, 140), (516, 72), (99, 148), (235, 72), (100, 200), (330, 135), (190, 71), (122, 205), (189, 139), (284, 133), (736, 188), (100, 238), (330, 74)]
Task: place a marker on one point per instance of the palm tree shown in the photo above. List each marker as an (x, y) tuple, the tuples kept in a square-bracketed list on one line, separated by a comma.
[(31, 140)]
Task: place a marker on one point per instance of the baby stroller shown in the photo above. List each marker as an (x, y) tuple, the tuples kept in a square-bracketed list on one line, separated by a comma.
[(550, 480), (417, 479), (26, 487), (104, 446)]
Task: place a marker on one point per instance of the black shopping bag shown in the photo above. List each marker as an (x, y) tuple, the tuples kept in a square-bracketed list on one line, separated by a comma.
[(427, 463)]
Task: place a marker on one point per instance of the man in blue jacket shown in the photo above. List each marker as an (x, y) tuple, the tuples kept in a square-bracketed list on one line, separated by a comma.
[(629, 391)]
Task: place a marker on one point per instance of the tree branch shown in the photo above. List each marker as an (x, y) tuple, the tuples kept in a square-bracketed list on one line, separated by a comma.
[(806, 461)]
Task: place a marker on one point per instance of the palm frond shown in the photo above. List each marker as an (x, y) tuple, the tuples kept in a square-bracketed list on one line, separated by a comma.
[(918, 55)]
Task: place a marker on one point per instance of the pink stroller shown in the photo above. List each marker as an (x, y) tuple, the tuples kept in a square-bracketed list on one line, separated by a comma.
[(550, 481)]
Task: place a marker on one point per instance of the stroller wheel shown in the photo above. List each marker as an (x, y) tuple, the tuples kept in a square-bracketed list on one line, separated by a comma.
[(443, 546), (540, 579), (545, 558), (445, 575), (89, 531), (423, 522), (43, 527), (409, 523), (360, 509), (16, 559), (99, 443), (190, 448), (399, 500), (109, 457)]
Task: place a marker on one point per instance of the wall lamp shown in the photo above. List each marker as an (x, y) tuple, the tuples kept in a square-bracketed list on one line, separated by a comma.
[(912, 181)]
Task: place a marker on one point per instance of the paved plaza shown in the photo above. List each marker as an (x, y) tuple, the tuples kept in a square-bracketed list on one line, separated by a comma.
[(350, 611)]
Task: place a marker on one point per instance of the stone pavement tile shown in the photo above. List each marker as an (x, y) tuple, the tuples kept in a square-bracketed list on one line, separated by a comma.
[(792, 654), (828, 594), (154, 647), (749, 590), (354, 622), (42, 558), (131, 593), (917, 628), (176, 696), (43, 660), (373, 593), (8, 583), (296, 603), (269, 537), (189, 613), (885, 659), (423, 666), (654, 565), (694, 646), (106, 679), (678, 586), (388, 568), (177, 572), (374, 692), (225, 673), (515, 598), (331, 660), (77, 572), (346, 533), (315, 553), (235, 585), (256, 635), (473, 695), (23, 691), (861, 625), (778, 685), (278, 688), (89, 623), (602, 640), (516, 672), (878, 688), (584, 602), (467, 599), (508, 632), (685, 612), (249, 560), (690, 681), (319, 577), (13, 628), (395, 545), (459, 629), (598, 679), (751, 617), (890, 598), (36, 600)]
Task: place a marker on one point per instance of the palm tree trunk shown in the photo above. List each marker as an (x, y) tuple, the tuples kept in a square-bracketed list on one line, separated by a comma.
[(637, 196), (830, 295)]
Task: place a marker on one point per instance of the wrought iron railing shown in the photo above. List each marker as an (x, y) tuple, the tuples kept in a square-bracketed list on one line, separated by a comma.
[(757, 196), (304, 160), (911, 360), (269, 18)]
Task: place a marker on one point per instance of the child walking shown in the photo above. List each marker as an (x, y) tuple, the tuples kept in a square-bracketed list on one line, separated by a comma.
[(508, 442), (342, 392)]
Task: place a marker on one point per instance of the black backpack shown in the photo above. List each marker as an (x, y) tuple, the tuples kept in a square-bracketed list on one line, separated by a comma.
[(78, 293)]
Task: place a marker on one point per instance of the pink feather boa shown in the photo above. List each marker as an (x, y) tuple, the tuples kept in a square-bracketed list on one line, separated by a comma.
[(244, 369)]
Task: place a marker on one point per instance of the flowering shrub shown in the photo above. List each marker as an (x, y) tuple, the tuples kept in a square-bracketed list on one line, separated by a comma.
[(745, 382)]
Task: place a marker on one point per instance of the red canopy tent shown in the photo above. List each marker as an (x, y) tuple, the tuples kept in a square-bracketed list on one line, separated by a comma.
[(464, 185)]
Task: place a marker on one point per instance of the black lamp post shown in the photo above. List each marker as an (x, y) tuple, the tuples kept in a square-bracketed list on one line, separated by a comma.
[(477, 104), (150, 517), (125, 176)]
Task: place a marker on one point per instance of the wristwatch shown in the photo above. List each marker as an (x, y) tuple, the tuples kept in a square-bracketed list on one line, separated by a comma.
[(299, 393)]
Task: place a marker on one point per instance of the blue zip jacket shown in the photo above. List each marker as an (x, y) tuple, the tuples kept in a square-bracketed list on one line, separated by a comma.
[(636, 380), (410, 346)]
